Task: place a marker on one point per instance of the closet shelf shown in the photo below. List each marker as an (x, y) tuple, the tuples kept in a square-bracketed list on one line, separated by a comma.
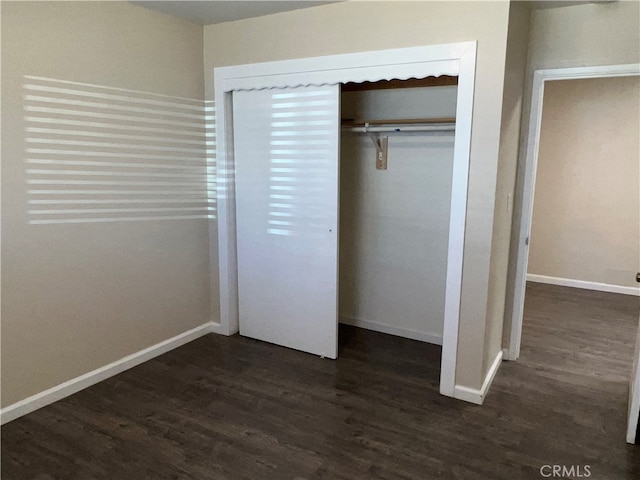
[(400, 125)]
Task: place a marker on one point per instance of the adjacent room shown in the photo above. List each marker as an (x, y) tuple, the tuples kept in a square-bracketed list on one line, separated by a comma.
[(333, 239), (581, 305)]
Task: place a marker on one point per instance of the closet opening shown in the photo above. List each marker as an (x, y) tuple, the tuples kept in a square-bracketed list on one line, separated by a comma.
[(276, 243), (396, 170)]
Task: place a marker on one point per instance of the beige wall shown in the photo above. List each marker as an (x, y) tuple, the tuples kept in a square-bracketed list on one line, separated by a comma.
[(574, 36), (364, 26), (586, 213), (512, 100), (581, 35), (78, 296)]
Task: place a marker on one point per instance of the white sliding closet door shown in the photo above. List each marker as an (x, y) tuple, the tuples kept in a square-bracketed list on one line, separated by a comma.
[(286, 149)]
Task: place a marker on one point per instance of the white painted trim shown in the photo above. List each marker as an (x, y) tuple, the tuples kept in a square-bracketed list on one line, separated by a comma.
[(633, 413), (392, 330), (471, 395), (597, 71), (74, 385), (400, 63), (568, 282), (452, 59), (457, 221), (474, 395), (530, 167), (216, 327)]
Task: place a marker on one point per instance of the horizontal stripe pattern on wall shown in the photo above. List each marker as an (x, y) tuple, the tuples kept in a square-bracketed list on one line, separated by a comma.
[(95, 153)]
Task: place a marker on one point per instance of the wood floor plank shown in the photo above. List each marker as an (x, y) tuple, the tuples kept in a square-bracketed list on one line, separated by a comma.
[(235, 408)]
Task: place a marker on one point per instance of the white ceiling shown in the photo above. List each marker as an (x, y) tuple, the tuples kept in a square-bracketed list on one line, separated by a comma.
[(206, 12), (209, 12)]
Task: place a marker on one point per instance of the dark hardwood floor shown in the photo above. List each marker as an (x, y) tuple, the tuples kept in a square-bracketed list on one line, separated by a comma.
[(234, 408)]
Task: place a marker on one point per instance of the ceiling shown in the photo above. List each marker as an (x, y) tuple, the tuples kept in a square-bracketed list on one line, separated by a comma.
[(209, 12)]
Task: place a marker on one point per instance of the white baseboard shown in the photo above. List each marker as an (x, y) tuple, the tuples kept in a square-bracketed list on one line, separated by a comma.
[(217, 328), (568, 282), (474, 395), (506, 355), (391, 330), (74, 385)]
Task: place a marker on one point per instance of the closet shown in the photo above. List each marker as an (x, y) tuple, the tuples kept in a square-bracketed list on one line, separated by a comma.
[(394, 215), (362, 203), (341, 194)]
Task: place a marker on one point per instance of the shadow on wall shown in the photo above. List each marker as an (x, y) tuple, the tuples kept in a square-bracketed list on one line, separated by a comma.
[(103, 154)]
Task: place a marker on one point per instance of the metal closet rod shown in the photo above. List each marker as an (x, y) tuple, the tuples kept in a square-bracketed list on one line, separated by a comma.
[(400, 125)]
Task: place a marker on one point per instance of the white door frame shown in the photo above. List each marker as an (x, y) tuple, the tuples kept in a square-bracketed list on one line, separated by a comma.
[(633, 413), (531, 164), (457, 59)]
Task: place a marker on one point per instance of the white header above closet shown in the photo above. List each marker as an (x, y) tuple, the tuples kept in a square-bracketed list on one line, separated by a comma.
[(401, 64)]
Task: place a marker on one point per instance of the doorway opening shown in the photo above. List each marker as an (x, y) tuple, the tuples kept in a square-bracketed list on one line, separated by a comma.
[(527, 186), (579, 247), (396, 167)]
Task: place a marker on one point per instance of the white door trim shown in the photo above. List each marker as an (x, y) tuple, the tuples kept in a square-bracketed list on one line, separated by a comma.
[(634, 393), (531, 164), (450, 59)]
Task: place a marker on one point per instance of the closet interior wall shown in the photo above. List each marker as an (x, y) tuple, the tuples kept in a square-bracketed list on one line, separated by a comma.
[(394, 223)]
